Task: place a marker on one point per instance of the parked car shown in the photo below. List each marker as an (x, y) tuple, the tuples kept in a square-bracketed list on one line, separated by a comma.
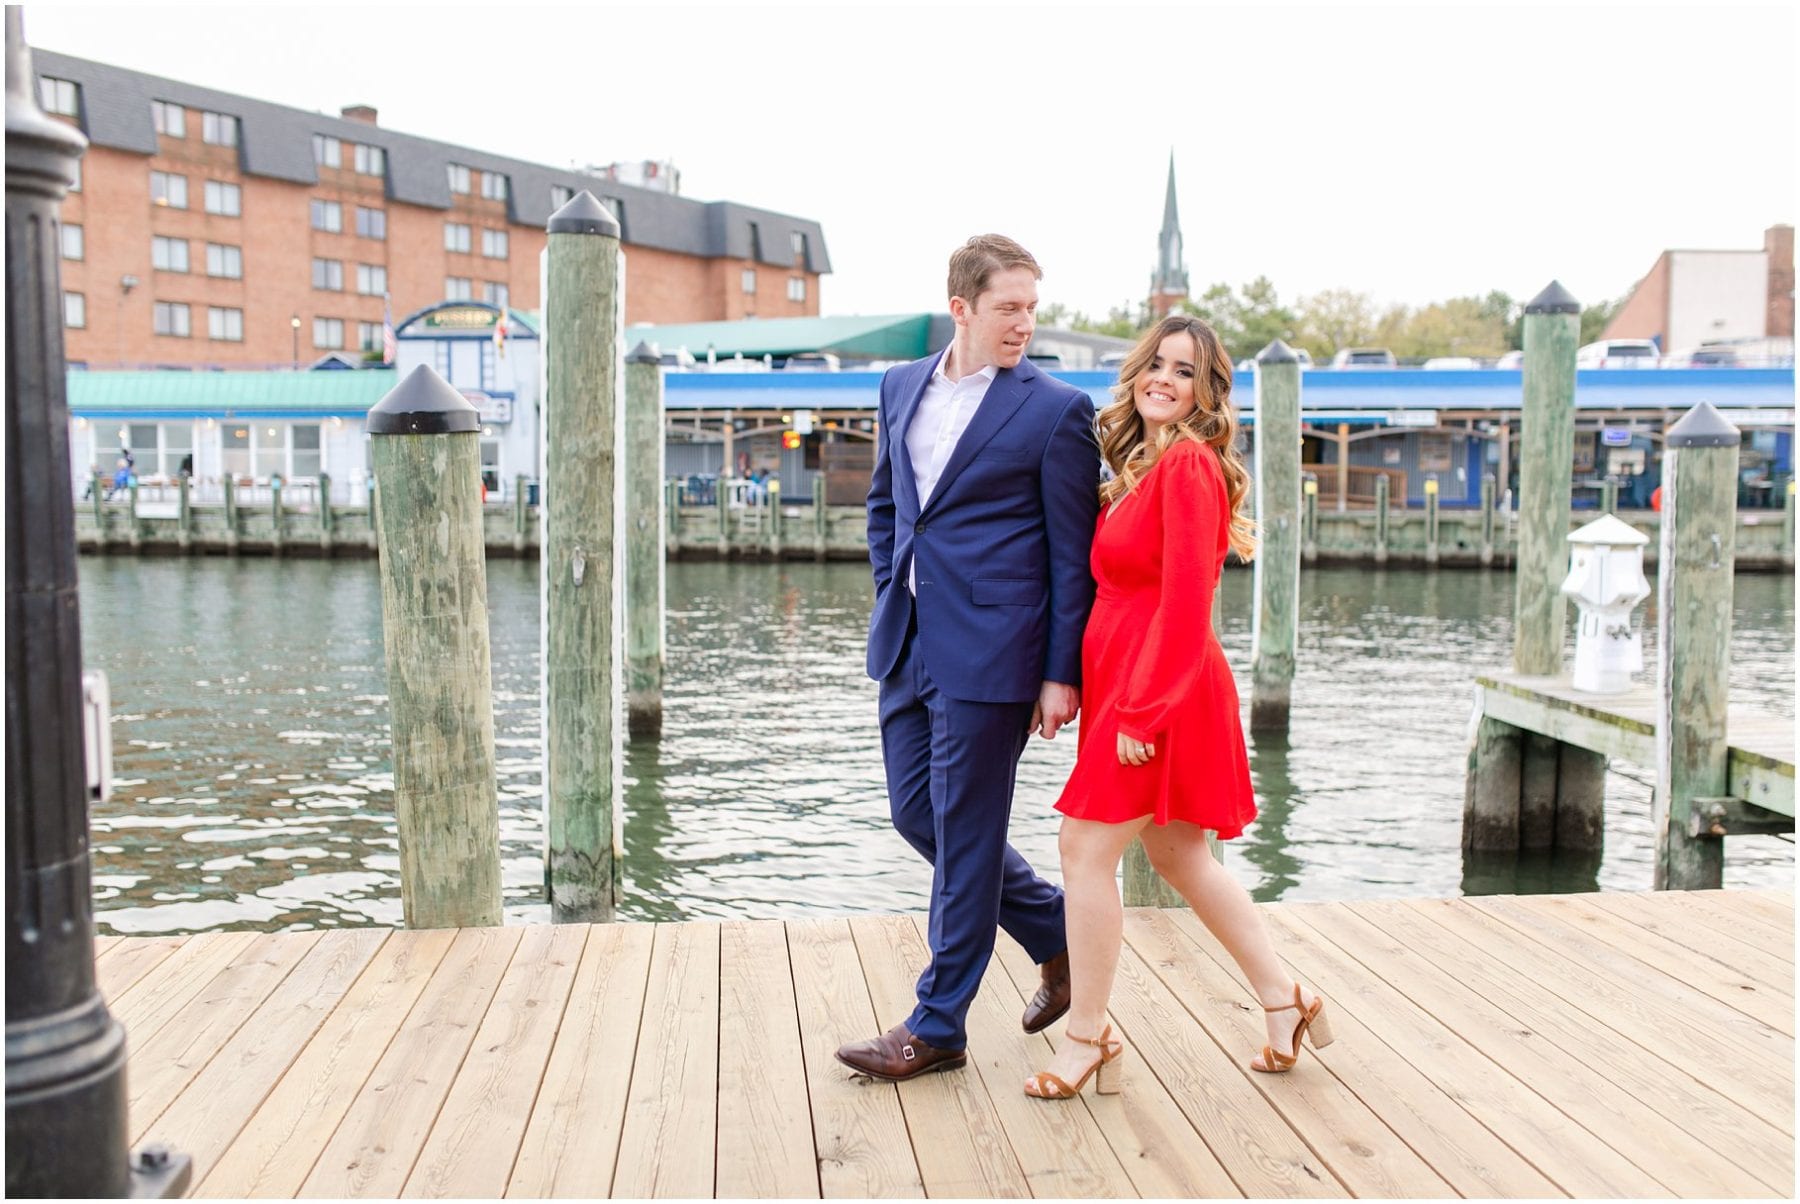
[(1715, 355), (1618, 353), (812, 361), (1363, 357), (1449, 363), (1112, 361), (1512, 359)]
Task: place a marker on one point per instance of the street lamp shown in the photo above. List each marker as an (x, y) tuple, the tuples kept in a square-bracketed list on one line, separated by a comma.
[(294, 323)]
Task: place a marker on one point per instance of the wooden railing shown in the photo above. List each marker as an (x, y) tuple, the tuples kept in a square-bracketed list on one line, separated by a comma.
[(1359, 488)]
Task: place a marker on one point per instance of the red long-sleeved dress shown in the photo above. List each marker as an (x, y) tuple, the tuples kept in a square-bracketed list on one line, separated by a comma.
[(1151, 666)]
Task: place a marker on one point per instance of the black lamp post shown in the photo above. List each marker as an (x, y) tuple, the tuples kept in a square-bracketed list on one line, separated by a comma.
[(66, 1131)]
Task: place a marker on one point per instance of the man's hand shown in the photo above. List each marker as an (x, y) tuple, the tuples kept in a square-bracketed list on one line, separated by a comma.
[(1057, 704), (1134, 752)]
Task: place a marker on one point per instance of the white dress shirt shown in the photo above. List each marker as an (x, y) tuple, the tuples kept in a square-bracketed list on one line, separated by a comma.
[(944, 413)]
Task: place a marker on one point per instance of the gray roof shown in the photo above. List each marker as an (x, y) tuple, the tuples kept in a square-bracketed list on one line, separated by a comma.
[(275, 141)]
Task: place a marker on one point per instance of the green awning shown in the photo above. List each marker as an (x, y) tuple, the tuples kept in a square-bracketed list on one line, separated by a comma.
[(885, 337), (179, 394)]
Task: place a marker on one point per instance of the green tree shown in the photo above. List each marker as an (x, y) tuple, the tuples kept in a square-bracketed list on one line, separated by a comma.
[(1335, 318), (1246, 320), (1595, 317), (1460, 326)]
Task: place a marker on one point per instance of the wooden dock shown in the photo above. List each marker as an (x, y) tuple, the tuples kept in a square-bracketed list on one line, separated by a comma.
[(1579, 1045), (1761, 757)]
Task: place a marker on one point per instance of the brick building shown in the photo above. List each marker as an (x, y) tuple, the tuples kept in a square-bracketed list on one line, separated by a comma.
[(1691, 297), (210, 228)]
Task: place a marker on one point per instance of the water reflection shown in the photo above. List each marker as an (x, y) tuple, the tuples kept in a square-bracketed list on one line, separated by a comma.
[(255, 788)]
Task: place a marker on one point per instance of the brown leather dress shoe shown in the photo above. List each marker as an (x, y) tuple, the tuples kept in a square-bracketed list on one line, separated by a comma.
[(897, 1055), (1052, 998)]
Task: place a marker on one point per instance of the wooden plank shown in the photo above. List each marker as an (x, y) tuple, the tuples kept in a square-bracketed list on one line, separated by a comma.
[(150, 1002), (1150, 1136), (1776, 909), (273, 1154), (1734, 989), (667, 1148), (765, 1125), (571, 1143), (380, 1136), (1726, 951), (1727, 1149), (103, 943), (1579, 1163), (1059, 1147), (1707, 911), (1576, 1086), (180, 1050), (957, 1139), (126, 961), (212, 1109), (1365, 1155), (859, 1131), (472, 1146), (1718, 1046)]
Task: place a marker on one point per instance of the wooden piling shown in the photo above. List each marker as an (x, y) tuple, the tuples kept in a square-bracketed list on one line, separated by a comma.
[(1491, 797), (1381, 519), (772, 499), (231, 513), (1547, 438), (275, 514), (644, 557), (1309, 537), (580, 437), (1699, 523), (672, 512), (822, 517), (521, 515), (99, 494), (134, 534), (425, 441), (1609, 496), (1539, 758), (1277, 563), (1580, 799), (1787, 527), (184, 531), (722, 500), (1431, 520), (327, 520), (1144, 887), (1487, 518)]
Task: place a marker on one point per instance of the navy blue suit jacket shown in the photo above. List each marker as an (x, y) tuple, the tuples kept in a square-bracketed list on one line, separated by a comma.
[(1002, 547)]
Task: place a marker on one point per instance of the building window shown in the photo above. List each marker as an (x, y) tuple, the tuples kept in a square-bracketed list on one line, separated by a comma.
[(226, 325), (328, 274), (263, 450), (749, 279), (368, 336), (59, 96), (458, 288), (224, 199), (171, 318), (370, 160), (456, 236), (796, 288), (493, 186), (74, 246), (170, 118), (799, 241), (459, 178), (224, 261), (76, 186), (493, 244), (169, 254), (371, 279), (560, 195), (218, 129), (168, 190), (371, 223), (75, 311), (328, 333), (327, 216), (327, 151), (494, 293), (158, 447)]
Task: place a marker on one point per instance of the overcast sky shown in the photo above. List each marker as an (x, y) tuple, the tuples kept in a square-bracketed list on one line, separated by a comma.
[(1411, 153)]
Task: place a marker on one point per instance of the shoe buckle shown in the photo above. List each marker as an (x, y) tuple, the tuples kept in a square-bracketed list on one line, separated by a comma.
[(908, 1053)]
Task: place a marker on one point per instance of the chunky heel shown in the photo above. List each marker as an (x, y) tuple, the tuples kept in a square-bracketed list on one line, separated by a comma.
[(1312, 1024), (1319, 1031), (1106, 1076), (1110, 1078)]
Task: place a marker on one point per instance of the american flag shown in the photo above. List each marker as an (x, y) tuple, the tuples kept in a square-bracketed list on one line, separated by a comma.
[(500, 334), (387, 330)]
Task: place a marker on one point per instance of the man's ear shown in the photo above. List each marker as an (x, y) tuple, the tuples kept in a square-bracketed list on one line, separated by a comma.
[(960, 311)]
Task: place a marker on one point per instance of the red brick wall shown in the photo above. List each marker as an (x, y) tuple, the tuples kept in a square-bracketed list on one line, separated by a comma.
[(1778, 241), (278, 242), (1645, 314)]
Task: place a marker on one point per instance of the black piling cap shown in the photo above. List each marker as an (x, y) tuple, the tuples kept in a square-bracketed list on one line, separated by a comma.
[(1555, 299), (1277, 352), (1702, 426), (423, 404), (643, 353), (584, 215)]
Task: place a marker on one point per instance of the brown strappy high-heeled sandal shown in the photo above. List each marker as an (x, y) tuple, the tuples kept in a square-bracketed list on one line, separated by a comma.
[(1044, 1085), (1312, 1024)]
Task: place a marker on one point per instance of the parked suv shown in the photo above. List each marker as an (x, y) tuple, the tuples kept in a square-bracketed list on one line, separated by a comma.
[(1363, 357), (1618, 353)]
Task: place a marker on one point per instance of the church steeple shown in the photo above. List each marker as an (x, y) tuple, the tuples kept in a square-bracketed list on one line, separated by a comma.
[(1169, 284)]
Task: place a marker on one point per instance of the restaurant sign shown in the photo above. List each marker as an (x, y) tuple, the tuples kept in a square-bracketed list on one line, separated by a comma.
[(462, 317), (492, 409)]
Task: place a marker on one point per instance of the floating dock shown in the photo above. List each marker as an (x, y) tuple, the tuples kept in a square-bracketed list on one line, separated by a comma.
[(1577, 1045)]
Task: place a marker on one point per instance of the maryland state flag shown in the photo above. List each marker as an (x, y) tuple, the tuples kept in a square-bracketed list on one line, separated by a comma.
[(500, 334)]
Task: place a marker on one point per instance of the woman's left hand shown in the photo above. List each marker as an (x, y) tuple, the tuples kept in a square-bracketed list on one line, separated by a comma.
[(1134, 752)]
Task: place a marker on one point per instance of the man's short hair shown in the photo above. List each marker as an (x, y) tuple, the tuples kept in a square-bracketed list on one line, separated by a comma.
[(974, 263)]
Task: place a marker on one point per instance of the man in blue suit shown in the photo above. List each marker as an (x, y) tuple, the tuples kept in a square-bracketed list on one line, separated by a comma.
[(981, 513)]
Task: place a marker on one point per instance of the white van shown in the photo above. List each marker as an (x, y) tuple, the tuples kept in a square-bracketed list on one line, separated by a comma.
[(1618, 353)]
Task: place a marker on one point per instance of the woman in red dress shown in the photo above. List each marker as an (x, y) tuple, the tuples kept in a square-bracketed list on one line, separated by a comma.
[(1161, 743)]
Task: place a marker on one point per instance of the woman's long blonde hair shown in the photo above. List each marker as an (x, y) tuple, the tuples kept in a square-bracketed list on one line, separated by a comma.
[(1213, 421)]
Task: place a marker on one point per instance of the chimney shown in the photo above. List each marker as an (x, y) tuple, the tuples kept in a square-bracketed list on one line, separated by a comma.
[(362, 113)]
